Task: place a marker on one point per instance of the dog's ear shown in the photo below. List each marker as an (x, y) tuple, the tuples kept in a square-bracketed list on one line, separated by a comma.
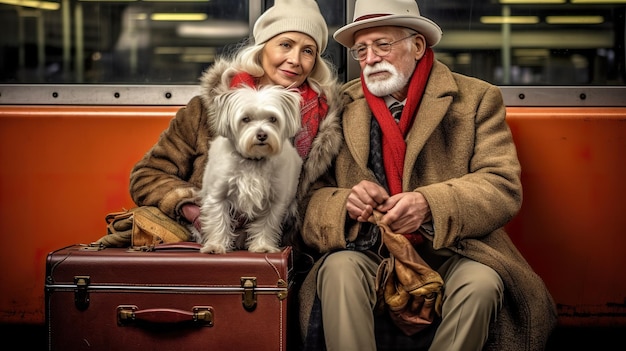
[(222, 108), (290, 101)]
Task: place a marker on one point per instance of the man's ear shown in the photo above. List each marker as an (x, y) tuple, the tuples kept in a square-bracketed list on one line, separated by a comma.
[(420, 44)]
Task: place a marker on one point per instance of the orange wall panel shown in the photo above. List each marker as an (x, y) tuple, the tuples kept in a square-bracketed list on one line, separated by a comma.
[(572, 225), (61, 170)]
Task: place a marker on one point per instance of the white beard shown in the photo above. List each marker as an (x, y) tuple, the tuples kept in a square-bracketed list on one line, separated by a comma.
[(387, 86)]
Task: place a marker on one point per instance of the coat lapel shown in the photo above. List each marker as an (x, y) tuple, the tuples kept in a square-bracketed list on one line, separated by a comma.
[(435, 103)]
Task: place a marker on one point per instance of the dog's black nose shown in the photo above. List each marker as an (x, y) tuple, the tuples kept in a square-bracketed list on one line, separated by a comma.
[(261, 136)]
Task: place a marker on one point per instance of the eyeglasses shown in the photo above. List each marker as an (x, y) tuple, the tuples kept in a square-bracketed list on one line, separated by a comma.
[(380, 48)]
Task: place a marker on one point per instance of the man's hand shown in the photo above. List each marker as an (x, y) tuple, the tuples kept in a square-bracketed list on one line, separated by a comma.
[(405, 212), (363, 198)]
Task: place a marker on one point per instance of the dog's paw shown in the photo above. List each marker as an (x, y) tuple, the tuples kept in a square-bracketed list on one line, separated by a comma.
[(213, 249), (263, 249)]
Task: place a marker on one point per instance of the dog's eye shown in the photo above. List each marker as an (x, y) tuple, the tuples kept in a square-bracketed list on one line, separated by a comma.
[(245, 119), (273, 119)]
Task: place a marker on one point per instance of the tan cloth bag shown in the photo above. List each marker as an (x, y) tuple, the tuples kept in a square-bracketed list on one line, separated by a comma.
[(144, 226), (406, 285)]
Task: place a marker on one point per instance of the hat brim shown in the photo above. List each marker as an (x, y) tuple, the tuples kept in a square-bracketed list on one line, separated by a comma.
[(429, 29)]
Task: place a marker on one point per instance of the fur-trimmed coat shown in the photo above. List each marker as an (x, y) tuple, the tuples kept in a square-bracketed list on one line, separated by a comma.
[(461, 157), (170, 173)]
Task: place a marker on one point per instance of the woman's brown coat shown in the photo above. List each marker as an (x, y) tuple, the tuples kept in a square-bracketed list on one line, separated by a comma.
[(461, 157), (170, 173)]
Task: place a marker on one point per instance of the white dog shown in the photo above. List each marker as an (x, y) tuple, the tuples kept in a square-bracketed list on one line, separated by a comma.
[(250, 180)]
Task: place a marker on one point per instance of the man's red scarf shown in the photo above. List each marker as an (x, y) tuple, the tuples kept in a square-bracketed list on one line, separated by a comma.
[(393, 134), (313, 109), (394, 146)]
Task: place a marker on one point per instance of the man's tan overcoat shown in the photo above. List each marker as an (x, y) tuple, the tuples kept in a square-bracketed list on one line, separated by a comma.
[(461, 157)]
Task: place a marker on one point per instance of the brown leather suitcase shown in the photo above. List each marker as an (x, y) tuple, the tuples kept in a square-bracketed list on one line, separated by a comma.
[(170, 298)]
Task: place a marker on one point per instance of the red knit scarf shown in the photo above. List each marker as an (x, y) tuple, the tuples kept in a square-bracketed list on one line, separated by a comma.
[(393, 144), (313, 109)]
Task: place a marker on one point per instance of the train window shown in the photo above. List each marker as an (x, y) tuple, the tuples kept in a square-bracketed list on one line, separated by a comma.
[(533, 42), (127, 41), (149, 42), (506, 42)]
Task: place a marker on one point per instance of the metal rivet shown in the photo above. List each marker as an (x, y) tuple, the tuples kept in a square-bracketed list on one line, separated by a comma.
[(117, 95), (521, 96), (583, 96), (168, 95)]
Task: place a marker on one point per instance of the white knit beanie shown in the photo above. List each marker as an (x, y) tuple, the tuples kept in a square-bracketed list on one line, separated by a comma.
[(292, 16)]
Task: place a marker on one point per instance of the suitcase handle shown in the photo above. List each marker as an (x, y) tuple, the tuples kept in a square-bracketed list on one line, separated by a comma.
[(131, 314), (182, 245)]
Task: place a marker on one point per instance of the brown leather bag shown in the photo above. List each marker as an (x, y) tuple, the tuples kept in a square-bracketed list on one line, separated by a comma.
[(406, 285)]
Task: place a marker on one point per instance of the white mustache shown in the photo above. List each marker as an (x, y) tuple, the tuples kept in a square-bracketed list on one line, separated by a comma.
[(379, 67)]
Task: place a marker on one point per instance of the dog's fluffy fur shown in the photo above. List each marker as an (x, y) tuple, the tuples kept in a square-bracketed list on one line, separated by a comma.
[(251, 176)]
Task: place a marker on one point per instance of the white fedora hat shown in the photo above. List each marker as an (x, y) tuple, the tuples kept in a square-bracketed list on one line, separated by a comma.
[(376, 13)]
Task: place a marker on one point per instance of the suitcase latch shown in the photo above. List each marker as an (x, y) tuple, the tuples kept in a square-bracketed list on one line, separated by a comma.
[(282, 294), (81, 295), (248, 299)]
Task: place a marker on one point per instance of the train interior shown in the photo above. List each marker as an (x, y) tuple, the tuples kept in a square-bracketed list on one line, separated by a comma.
[(87, 86)]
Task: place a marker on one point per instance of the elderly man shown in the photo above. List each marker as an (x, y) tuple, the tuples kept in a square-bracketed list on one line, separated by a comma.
[(445, 171)]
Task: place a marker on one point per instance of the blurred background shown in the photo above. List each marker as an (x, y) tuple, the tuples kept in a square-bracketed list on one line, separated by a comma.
[(506, 42)]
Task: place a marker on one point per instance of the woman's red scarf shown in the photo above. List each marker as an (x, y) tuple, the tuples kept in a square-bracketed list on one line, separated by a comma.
[(313, 109), (393, 134)]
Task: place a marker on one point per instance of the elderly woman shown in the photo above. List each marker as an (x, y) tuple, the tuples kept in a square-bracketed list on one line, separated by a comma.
[(289, 39)]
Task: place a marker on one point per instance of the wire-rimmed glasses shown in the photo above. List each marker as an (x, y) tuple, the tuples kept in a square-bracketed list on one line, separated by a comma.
[(379, 47)]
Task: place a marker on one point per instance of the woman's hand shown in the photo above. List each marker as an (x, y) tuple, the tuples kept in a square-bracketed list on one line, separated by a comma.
[(191, 212)]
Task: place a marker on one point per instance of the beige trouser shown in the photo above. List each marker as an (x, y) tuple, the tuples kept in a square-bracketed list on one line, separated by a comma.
[(472, 297)]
